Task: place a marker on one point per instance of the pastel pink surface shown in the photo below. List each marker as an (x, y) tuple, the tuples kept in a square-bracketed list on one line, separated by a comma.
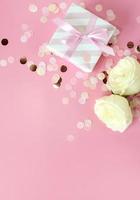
[(37, 162)]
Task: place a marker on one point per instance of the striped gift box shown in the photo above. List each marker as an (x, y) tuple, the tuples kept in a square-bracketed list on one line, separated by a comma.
[(86, 54)]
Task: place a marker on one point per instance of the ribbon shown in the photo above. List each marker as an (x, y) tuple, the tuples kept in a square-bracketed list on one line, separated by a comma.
[(97, 35)]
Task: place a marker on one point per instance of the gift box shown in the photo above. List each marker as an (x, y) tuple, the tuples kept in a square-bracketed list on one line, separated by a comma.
[(81, 38)]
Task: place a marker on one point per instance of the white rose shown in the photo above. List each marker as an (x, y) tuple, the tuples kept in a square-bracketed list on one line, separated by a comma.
[(114, 111), (124, 78)]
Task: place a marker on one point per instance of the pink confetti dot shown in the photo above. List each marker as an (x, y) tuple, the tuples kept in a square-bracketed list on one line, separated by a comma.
[(65, 100), (63, 5), (3, 63), (138, 19), (11, 59), (80, 125), (98, 7), (73, 94), (120, 53), (109, 63), (70, 138)]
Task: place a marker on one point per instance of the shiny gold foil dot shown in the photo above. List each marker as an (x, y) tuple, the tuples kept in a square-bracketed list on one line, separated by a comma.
[(23, 60)]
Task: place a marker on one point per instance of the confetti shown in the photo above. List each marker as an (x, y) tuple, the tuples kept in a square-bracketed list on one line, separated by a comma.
[(11, 59), (23, 60), (3, 63), (84, 95), (68, 87), (110, 15), (4, 41), (98, 7), (73, 94), (82, 101), (63, 68), (138, 19), (109, 63), (23, 39), (65, 100), (70, 138), (45, 11), (127, 52), (52, 60), (63, 5), (101, 76), (56, 80), (73, 81), (43, 19), (41, 71), (33, 8), (87, 124), (52, 7), (80, 125), (33, 68), (24, 27)]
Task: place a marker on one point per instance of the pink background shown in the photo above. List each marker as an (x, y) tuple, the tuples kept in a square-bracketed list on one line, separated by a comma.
[(36, 160)]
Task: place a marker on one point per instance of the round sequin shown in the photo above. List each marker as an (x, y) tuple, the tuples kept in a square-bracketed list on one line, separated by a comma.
[(127, 52), (23, 38), (52, 7), (33, 68), (101, 76), (65, 100), (80, 125), (63, 68), (63, 5), (23, 60), (52, 60), (4, 41), (130, 45), (45, 11), (11, 59), (87, 124), (138, 19), (70, 138), (110, 15), (41, 71), (3, 63), (33, 8), (82, 101), (98, 7), (43, 19)]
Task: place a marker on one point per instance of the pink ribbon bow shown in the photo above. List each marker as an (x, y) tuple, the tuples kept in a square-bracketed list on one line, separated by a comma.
[(97, 35)]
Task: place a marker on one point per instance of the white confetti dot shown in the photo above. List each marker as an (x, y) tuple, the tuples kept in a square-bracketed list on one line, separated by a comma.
[(52, 60), (110, 15), (93, 80), (3, 63), (43, 19), (42, 64), (45, 11), (98, 7), (70, 138), (65, 100), (41, 71), (63, 5), (82, 101), (33, 8), (101, 76), (87, 123), (23, 38), (11, 59), (127, 52), (24, 27), (84, 95), (80, 125)]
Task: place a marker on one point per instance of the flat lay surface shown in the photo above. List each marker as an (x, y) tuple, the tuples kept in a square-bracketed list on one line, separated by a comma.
[(52, 146)]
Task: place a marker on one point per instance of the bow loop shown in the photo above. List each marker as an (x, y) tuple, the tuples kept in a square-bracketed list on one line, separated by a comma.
[(97, 35)]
